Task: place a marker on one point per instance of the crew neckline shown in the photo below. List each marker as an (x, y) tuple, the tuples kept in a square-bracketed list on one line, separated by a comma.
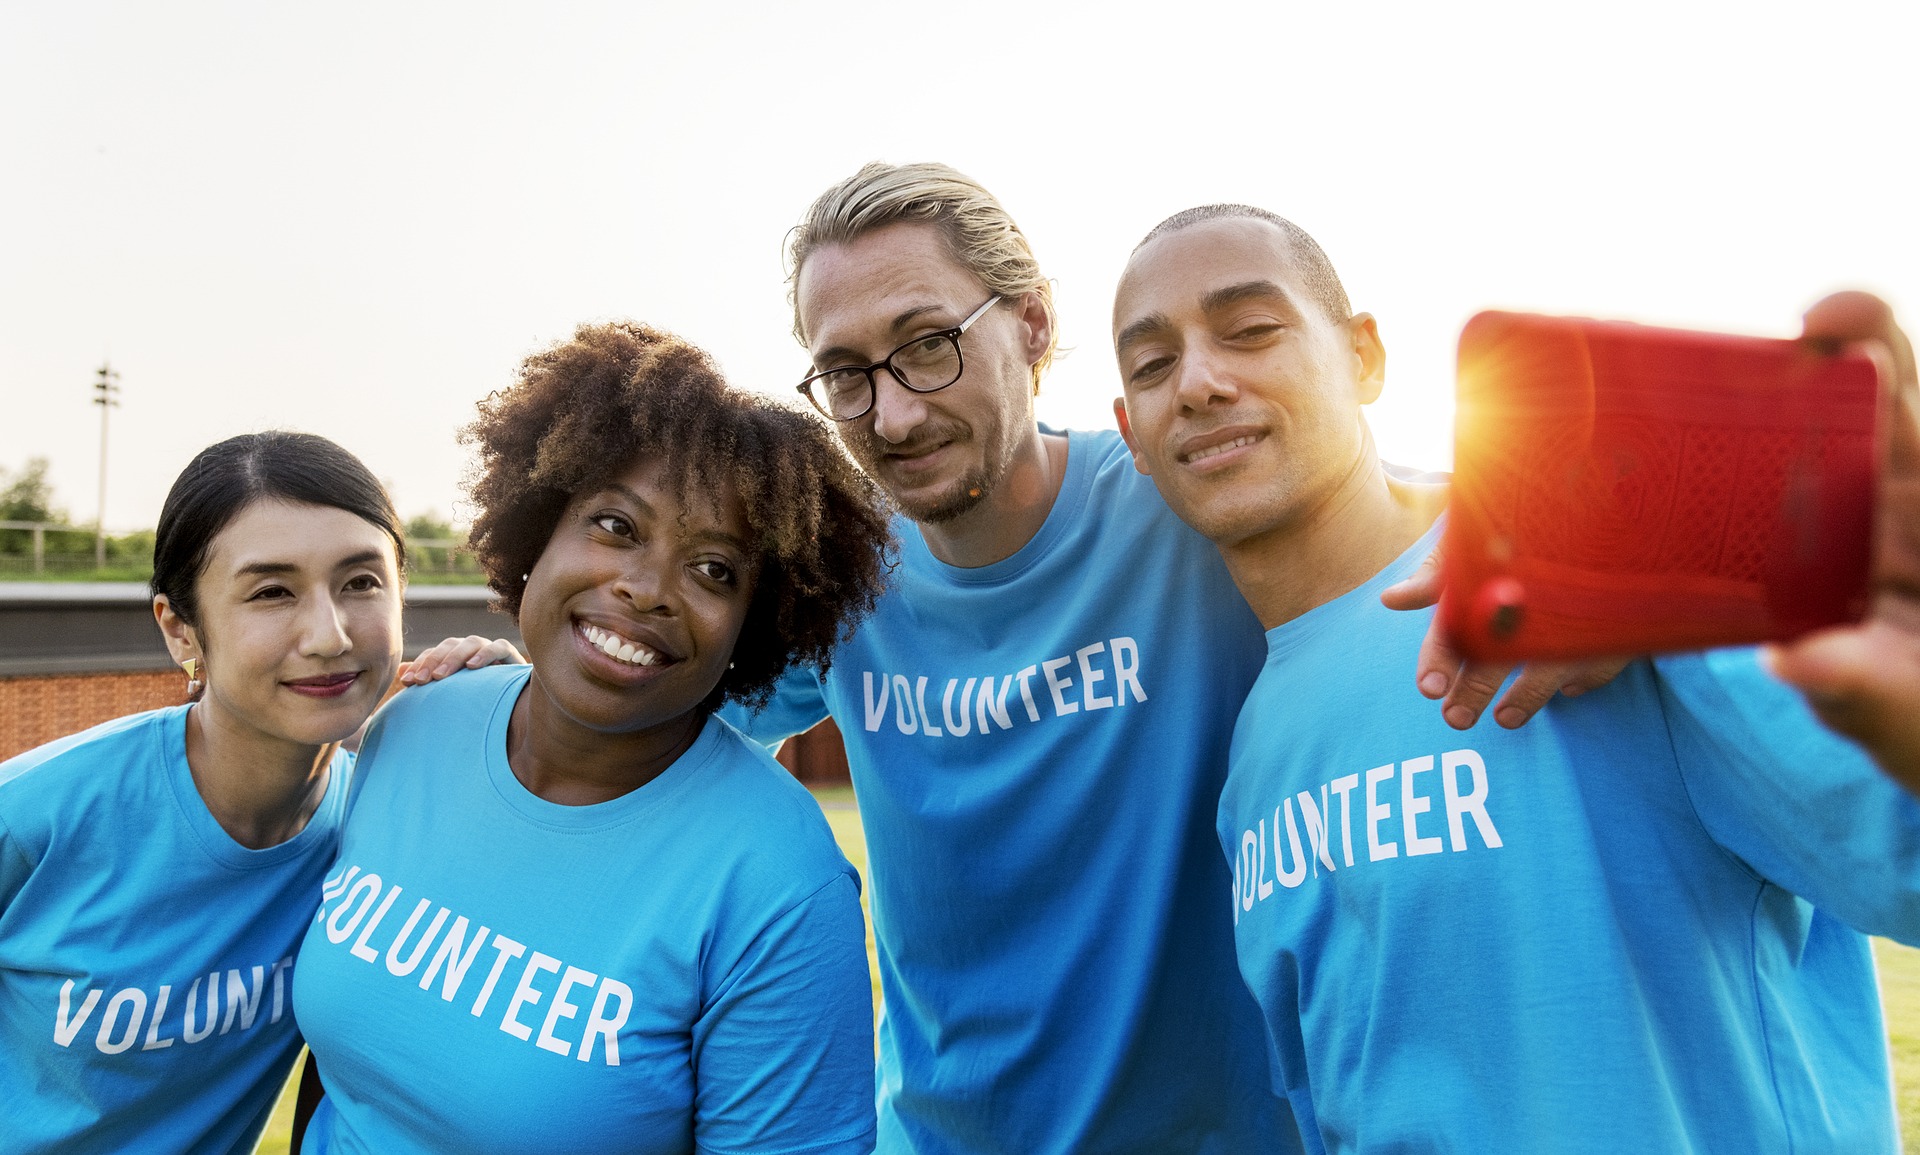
[(558, 816), (170, 736), (1067, 506), (1288, 636)]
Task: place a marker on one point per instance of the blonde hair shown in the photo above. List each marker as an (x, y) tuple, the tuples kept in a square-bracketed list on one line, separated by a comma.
[(977, 230)]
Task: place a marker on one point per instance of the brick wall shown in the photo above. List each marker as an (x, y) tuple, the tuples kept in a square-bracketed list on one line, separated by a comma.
[(36, 710)]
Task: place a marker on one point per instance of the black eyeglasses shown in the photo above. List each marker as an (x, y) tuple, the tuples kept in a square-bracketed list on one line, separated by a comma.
[(926, 364)]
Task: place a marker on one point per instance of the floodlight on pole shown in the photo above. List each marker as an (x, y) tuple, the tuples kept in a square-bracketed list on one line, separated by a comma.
[(106, 394)]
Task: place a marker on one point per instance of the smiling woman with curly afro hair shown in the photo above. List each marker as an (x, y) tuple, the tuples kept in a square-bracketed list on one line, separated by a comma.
[(583, 409), (666, 543)]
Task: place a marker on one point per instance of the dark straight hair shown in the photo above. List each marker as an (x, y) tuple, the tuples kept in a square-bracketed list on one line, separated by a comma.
[(224, 479)]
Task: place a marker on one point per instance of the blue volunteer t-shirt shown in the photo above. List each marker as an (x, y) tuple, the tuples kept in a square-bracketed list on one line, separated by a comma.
[(1038, 747), (145, 956), (1627, 926), (679, 969)]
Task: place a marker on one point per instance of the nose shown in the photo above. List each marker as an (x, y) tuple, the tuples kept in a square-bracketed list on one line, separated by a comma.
[(897, 410), (1203, 380), (643, 585), (324, 630)]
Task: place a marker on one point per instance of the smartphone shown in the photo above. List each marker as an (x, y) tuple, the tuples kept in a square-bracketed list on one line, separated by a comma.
[(1623, 489)]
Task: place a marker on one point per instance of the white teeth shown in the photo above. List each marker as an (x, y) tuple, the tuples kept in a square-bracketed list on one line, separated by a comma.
[(1216, 450), (618, 648)]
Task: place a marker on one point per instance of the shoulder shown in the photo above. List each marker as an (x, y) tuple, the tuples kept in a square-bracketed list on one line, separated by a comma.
[(1109, 460), (1124, 500), (462, 693), (763, 820), (87, 774), (94, 754)]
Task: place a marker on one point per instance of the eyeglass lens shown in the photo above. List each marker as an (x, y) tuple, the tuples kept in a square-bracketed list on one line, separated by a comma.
[(929, 363)]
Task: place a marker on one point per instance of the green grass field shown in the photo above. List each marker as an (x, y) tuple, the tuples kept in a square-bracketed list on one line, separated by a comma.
[(1899, 991)]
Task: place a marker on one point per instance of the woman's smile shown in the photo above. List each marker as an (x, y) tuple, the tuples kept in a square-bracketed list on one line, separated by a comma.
[(622, 648)]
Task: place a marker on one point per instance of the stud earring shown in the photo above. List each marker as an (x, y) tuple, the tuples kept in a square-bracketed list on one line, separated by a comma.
[(729, 665), (192, 667)]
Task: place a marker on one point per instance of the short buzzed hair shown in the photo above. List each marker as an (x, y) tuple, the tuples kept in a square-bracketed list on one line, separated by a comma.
[(1316, 271)]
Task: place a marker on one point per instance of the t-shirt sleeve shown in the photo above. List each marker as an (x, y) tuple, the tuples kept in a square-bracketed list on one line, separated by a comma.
[(798, 704), (1805, 809), (15, 865), (783, 1054)]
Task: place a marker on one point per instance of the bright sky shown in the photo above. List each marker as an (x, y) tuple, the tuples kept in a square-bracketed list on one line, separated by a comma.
[(356, 218)]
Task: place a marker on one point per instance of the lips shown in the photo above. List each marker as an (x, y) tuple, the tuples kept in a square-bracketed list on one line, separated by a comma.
[(323, 685), (918, 458), (1218, 444)]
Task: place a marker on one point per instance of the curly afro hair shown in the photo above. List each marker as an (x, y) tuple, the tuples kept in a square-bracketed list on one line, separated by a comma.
[(582, 410)]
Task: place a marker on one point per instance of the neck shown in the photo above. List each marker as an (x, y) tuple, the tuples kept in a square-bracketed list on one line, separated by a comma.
[(1012, 512), (562, 761), (1346, 536), (261, 790)]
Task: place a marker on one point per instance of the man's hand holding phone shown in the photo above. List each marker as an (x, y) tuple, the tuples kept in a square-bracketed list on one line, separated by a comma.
[(1864, 680), (1464, 687)]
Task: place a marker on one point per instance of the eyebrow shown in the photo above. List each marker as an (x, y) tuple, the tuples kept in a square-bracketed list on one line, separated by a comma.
[(898, 324), (1145, 327), (1212, 302), (283, 568), (1244, 291), (645, 506)]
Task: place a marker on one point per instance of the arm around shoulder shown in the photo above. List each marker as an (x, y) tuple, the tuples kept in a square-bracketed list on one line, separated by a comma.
[(798, 704)]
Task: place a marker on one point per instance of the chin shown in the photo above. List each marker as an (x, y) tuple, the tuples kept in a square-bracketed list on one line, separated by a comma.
[(1220, 522), (951, 504)]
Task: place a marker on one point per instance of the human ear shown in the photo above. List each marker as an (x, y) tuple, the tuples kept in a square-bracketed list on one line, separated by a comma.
[(1038, 322), (1126, 435), (183, 641), (1369, 357)]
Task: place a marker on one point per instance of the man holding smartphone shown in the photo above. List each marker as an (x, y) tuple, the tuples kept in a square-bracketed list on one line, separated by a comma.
[(1633, 925)]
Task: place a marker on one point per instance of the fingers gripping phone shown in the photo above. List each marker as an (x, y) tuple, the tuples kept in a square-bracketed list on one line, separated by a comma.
[(1624, 489)]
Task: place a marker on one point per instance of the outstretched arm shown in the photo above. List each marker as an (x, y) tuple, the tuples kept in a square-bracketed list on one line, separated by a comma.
[(1864, 680), (1464, 688)]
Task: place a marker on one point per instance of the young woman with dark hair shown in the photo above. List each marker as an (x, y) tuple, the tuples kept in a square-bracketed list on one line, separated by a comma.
[(573, 909), (158, 871)]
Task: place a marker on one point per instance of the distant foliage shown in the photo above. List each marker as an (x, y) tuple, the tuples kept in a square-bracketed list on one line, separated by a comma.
[(431, 557), (27, 495)]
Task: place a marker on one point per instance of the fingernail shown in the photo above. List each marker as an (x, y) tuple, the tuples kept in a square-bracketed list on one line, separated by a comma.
[(1460, 718), (1572, 690), (1434, 685), (1510, 717)]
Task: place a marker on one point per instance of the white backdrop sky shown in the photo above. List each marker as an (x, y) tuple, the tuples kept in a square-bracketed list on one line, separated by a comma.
[(355, 219)]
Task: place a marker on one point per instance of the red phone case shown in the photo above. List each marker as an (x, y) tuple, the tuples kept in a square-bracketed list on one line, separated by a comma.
[(1622, 489)]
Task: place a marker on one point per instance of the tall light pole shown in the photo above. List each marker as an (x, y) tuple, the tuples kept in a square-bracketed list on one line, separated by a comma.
[(106, 394)]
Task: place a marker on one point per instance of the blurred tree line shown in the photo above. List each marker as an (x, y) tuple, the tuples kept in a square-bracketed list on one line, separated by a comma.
[(27, 496), (436, 550)]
